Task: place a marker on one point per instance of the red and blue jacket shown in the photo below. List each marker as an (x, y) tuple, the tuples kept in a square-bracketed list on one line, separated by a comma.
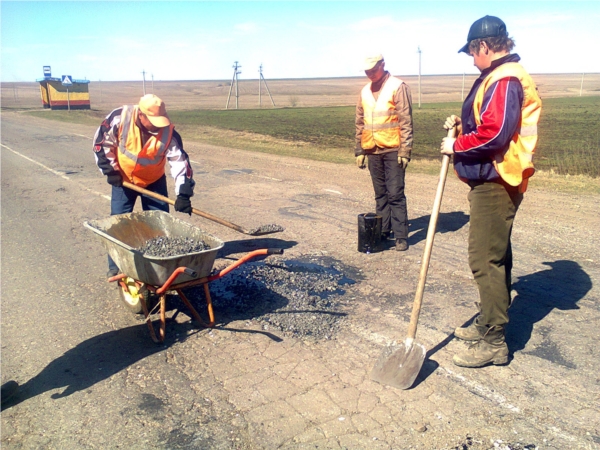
[(477, 147)]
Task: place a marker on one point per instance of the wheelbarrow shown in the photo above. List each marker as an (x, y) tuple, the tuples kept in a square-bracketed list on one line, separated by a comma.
[(144, 277)]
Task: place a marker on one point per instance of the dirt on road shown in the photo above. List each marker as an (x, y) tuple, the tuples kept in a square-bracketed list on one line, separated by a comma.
[(259, 379)]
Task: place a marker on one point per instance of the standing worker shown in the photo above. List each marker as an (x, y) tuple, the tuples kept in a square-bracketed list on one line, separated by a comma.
[(384, 134), (132, 144), (493, 154)]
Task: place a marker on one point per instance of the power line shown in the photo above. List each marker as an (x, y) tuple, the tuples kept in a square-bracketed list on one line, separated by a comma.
[(261, 78), (419, 51), (234, 80)]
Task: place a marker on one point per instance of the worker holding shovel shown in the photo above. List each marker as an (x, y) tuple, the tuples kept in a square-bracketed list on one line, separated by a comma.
[(493, 155), (133, 144)]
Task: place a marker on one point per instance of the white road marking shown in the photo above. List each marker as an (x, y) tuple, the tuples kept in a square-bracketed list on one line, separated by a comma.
[(63, 176), (481, 390), (472, 386), (331, 190)]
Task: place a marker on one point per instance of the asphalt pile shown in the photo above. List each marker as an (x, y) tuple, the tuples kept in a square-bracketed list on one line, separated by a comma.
[(266, 229), (471, 443), (302, 299), (164, 246)]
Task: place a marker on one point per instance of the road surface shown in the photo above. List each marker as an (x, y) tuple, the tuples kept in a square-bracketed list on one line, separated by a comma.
[(91, 377)]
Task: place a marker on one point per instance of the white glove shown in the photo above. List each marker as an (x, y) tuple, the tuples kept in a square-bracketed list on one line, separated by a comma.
[(453, 121), (447, 146), (403, 161), (360, 161)]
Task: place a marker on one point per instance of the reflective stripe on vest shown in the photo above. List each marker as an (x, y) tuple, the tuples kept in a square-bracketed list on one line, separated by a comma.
[(381, 123), (516, 165), (141, 165)]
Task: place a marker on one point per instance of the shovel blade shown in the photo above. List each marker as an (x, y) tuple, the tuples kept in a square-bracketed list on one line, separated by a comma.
[(265, 229), (399, 365)]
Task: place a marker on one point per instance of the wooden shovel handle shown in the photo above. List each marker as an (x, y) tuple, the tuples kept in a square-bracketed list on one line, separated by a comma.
[(414, 318), (206, 215)]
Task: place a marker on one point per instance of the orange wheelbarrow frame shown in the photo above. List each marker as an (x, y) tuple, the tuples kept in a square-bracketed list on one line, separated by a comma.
[(171, 285)]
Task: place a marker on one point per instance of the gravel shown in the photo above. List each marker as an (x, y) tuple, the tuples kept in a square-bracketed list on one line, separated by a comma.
[(266, 229), (163, 246), (303, 298), (471, 443)]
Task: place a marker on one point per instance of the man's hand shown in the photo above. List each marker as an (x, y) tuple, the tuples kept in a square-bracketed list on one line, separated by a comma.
[(115, 180), (403, 161), (453, 121), (447, 146), (360, 161), (183, 204)]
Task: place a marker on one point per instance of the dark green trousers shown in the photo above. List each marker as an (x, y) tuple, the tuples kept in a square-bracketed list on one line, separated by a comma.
[(493, 207)]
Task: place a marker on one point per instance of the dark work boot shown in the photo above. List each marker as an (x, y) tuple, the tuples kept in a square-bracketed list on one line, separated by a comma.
[(490, 349), (473, 332), (401, 245)]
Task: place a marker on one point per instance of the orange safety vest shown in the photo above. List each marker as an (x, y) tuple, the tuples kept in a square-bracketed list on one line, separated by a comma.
[(381, 123), (141, 165), (516, 165)]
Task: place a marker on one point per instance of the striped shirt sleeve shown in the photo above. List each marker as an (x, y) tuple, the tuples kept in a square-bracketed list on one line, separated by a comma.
[(500, 118)]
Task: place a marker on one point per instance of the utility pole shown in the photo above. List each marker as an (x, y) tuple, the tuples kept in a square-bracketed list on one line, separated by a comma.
[(144, 81), (261, 77), (462, 94), (236, 72), (153, 83), (581, 88), (419, 51)]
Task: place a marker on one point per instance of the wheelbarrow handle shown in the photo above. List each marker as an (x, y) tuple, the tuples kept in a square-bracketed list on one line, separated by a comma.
[(165, 287), (198, 212), (246, 258)]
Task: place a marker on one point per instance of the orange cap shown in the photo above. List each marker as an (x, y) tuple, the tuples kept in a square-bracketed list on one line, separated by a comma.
[(156, 111)]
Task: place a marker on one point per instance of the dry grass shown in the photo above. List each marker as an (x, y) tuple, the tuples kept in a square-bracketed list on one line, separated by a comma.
[(186, 95), (287, 93)]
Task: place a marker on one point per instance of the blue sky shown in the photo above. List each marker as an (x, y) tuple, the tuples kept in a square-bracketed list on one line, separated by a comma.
[(188, 40)]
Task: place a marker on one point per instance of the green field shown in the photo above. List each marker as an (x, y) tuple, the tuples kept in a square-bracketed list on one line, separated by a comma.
[(569, 131)]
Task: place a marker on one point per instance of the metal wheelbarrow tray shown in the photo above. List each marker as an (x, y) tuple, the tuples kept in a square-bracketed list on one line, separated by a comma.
[(143, 275), (124, 233)]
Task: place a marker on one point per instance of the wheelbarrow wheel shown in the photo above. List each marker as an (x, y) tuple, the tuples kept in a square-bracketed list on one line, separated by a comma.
[(132, 295)]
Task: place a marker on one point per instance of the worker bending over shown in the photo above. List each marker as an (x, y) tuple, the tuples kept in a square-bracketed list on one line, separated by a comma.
[(133, 143)]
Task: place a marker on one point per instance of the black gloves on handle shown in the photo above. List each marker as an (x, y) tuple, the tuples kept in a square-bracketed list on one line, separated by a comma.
[(183, 204), (115, 179)]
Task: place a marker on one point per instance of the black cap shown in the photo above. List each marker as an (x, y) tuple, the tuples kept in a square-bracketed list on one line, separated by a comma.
[(488, 26)]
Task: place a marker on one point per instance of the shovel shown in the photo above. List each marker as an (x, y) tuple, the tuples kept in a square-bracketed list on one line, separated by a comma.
[(262, 230), (400, 364)]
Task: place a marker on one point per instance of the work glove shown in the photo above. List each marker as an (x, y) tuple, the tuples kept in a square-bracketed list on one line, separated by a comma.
[(447, 146), (403, 161), (453, 121), (115, 179), (183, 204), (360, 161)]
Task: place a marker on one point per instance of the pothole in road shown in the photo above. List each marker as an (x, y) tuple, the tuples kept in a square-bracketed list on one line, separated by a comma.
[(303, 297)]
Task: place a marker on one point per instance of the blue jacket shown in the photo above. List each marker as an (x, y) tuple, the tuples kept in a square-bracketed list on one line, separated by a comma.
[(476, 147)]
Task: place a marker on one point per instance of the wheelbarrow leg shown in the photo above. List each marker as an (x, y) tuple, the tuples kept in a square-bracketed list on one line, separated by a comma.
[(193, 310), (163, 319), (209, 305), (163, 322)]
